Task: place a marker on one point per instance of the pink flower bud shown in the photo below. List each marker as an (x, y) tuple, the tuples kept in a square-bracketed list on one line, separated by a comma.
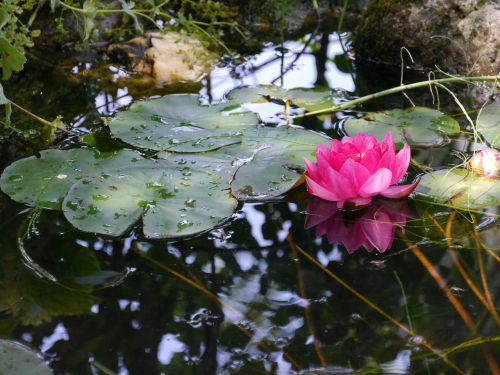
[(485, 163)]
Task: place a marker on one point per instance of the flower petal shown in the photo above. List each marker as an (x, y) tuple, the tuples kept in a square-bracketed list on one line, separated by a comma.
[(399, 191), (387, 144), (316, 189), (340, 184), (355, 172), (370, 160), (401, 164), (377, 183), (312, 169)]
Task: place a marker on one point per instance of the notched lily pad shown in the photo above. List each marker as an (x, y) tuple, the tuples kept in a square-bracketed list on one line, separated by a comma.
[(417, 126), (460, 188), (488, 123)]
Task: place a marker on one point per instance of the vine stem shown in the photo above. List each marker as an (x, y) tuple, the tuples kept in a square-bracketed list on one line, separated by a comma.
[(397, 89)]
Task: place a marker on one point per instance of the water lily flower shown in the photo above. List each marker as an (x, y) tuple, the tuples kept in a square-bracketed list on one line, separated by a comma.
[(358, 168), (372, 228), (485, 163)]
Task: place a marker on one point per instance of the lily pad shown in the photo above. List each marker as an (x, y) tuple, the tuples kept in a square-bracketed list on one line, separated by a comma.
[(460, 188), (178, 123), (488, 123), (417, 126), (16, 359), (309, 99), (108, 195), (184, 192)]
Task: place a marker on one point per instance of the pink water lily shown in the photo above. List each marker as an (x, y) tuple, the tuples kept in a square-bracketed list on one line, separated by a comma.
[(372, 228), (358, 168)]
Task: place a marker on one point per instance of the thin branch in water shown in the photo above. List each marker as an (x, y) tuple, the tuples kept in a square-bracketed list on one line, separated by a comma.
[(307, 311)]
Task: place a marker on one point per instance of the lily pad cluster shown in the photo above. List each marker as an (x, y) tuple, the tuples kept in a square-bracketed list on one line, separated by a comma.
[(201, 161), (206, 158)]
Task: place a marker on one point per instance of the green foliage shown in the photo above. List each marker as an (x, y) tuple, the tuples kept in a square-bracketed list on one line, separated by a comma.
[(488, 123), (459, 188), (181, 194), (15, 35)]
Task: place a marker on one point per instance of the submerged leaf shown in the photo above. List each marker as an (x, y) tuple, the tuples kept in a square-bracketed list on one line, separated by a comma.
[(460, 188), (488, 123), (418, 126)]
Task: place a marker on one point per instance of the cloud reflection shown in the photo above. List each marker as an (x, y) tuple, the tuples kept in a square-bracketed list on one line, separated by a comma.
[(372, 227)]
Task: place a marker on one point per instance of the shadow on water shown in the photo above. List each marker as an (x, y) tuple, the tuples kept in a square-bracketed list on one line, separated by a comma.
[(260, 294)]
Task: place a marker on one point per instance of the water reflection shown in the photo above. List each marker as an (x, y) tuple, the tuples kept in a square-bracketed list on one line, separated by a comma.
[(372, 227)]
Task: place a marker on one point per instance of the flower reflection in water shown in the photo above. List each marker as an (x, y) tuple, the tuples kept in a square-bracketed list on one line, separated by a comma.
[(372, 227)]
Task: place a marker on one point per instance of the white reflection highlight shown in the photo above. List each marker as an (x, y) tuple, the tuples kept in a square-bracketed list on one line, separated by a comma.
[(169, 346), (256, 219), (60, 333)]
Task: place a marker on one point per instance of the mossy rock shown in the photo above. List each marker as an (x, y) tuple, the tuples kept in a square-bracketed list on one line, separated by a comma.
[(457, 36)]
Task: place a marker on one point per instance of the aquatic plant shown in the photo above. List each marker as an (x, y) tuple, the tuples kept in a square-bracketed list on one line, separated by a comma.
[(356, 169)]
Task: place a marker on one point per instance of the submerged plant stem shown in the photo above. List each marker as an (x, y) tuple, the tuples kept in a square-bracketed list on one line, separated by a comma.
[(307, 310), (399, 89), (38, 118), (454, 301), (375, 307), (449, 241)]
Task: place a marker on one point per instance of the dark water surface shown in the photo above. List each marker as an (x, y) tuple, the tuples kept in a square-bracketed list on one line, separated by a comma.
[(262, 294)]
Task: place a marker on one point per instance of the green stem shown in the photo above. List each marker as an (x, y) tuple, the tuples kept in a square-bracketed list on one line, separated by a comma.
[(35, 117), (398, 89)]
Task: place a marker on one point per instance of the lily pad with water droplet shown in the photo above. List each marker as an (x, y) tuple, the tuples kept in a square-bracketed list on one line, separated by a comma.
[(16, 359), (186, 192), (277, 165), (417, 126), (460, 188), (172, 201), (44, 181), (488, 123), (178, 123), (109, 195)]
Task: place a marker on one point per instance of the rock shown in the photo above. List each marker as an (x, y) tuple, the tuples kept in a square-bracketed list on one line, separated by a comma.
[(169, 58), (458, 36)]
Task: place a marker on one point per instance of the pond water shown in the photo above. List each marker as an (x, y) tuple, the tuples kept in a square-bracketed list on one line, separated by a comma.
[(282, 287)]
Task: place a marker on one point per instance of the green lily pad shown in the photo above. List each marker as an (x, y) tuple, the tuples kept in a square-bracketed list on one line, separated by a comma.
[(178, 123), (44, 181), (184, 192), (16, 359), (417, 126), (278, 163), (460, 188), (108, 195), (488, 123)]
